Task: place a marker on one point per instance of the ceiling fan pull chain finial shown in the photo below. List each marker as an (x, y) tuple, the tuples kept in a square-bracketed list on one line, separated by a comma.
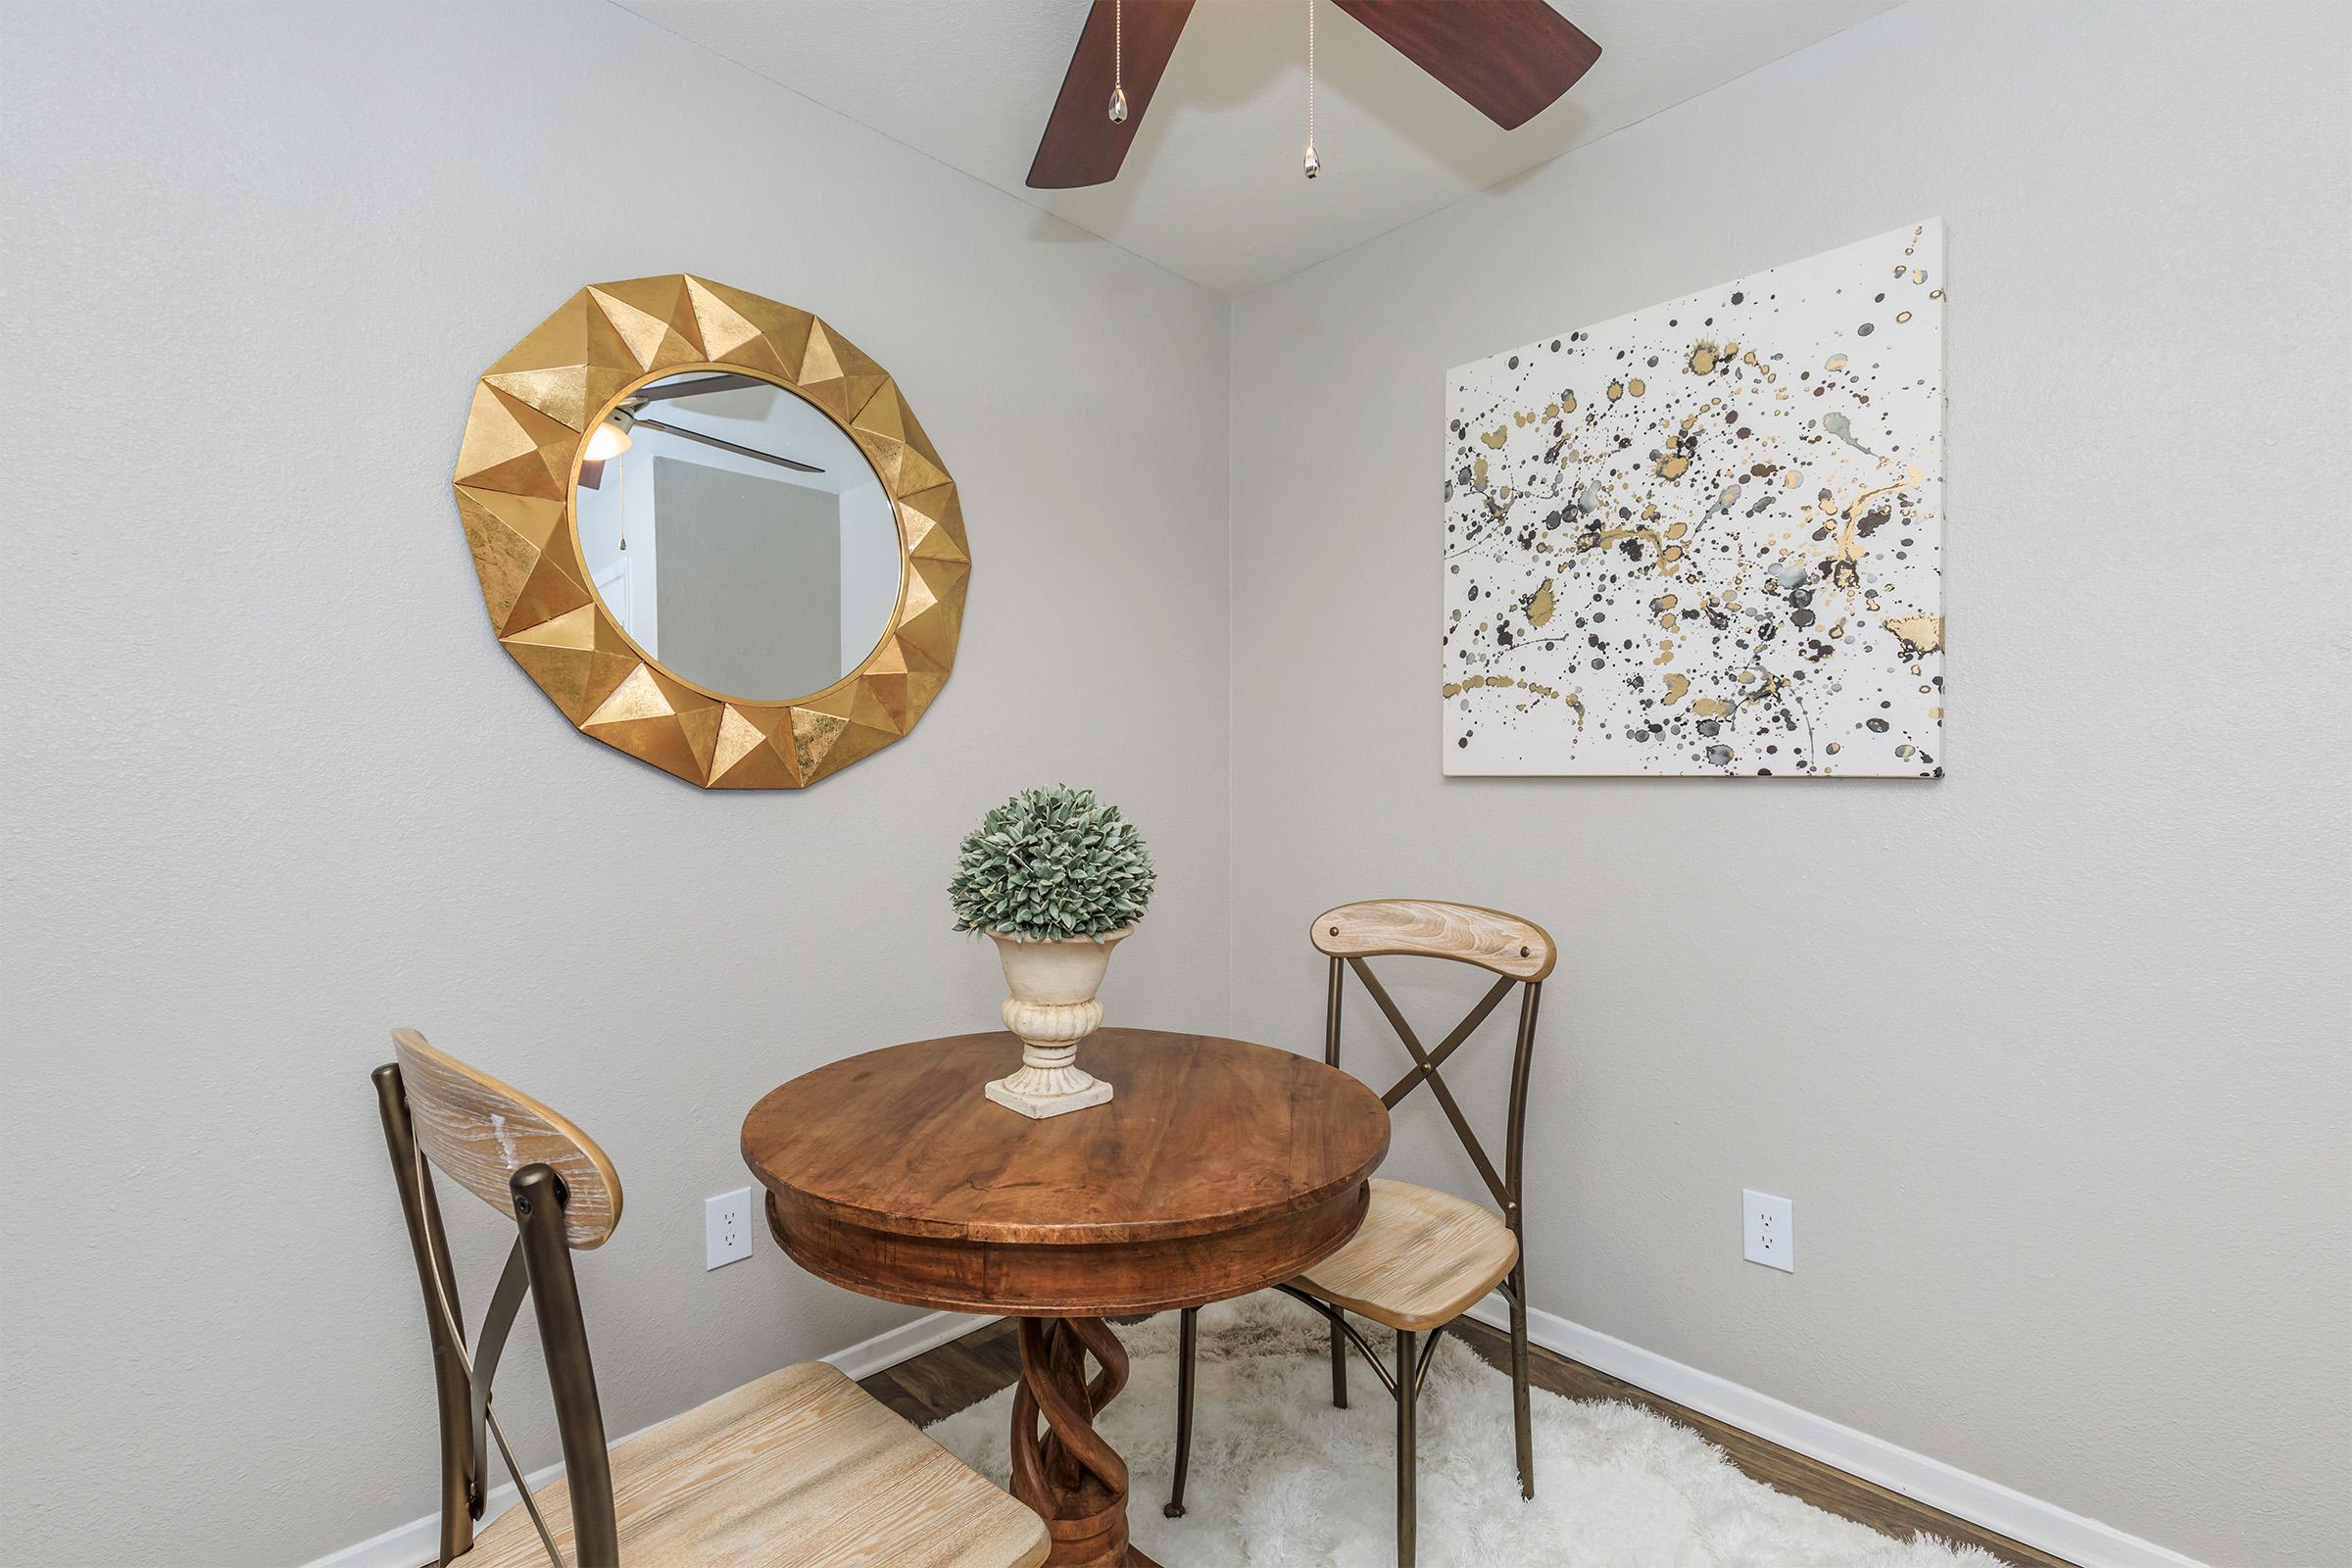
[(1118, 62), (1312, 165)]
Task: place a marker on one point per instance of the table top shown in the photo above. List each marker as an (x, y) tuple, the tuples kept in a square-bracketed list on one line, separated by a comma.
[(1201, 1137)]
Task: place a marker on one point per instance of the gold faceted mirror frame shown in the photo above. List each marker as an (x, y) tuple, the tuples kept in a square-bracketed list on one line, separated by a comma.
[(524, 440)]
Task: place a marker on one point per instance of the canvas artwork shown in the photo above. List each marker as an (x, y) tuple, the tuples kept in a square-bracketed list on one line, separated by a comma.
[(1707, 538)]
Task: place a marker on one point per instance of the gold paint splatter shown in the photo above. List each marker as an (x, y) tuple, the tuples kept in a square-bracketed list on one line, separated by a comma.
[(1902, 315), (1702, 357), (1568, 404), (1676, 530), (1616, 390), (1709, 708), (1471, 683), (1610, 536), (1540, 608), (1673, 465), (1676, 686), (1834, 747), (1837, 363), (1635, 387), (1919, 274), (1921, 634), (1496, 436), (1478, 473)]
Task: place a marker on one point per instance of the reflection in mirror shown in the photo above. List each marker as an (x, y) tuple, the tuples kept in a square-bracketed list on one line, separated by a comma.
[(738, 535)]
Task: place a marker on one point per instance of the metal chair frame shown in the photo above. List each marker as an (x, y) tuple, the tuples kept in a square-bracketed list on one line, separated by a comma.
[(539, 1265), (1414, 1351)]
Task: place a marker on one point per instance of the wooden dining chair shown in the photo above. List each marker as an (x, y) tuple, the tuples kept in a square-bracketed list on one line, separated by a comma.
[(1422, 1257), (800, 1466)]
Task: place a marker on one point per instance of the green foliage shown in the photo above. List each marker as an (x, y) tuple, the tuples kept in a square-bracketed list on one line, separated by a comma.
[(1051, 863)]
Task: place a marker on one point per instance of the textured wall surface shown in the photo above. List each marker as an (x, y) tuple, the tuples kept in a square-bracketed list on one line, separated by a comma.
[(2051, 1053), (275, 788)]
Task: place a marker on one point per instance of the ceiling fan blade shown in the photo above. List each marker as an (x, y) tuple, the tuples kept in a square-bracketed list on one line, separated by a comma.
[(1081, 146), (724, 446), (1510, 59), (693, 389)]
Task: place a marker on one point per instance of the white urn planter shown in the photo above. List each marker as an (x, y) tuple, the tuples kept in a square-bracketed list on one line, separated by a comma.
[(1051, 1008)]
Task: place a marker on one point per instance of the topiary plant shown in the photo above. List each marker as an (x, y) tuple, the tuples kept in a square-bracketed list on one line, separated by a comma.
[(1051, 863)]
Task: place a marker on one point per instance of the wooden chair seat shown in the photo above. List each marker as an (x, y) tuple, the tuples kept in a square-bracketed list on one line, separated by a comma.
[(1421, 1260), (798, 1467)]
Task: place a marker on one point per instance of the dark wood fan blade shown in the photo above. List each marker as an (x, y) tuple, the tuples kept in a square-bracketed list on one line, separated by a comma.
[(1510, 59), (692, 389), (724, 446), (1081, 146)]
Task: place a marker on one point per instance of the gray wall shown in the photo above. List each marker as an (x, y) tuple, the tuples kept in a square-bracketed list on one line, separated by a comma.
[(2051, 1055), (273, 788)]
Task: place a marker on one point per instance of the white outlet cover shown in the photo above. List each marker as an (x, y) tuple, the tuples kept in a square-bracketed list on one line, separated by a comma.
[(1770, 1226), (727, 1228)]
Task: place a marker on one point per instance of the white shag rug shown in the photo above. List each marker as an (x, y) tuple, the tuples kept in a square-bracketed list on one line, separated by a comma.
[(1279, 1477)]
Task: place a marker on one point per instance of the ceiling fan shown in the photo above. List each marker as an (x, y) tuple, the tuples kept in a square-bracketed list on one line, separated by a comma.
[(611, 438), (1508, 59)]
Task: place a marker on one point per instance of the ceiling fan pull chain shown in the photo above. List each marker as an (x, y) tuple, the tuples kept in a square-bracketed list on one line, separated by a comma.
[(1118, 62), (1313, 164)]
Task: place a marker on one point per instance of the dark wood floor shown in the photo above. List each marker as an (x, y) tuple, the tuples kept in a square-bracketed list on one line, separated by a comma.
[(966, 1371)]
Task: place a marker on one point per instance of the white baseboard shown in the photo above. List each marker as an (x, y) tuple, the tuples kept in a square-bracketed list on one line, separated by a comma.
[(1980, 1502), (419, 1539), (904, 1343)]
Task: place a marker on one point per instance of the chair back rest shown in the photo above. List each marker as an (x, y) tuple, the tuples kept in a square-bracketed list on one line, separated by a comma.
[(561, 1193), (1424, 928), (479, 1132), (1518, 952)]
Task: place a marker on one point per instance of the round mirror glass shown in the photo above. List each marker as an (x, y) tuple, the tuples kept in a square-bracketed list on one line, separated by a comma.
[(738, 535)]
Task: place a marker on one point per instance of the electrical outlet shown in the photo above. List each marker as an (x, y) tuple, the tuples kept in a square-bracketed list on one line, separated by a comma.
[(1771, 1227), (727, 1228)]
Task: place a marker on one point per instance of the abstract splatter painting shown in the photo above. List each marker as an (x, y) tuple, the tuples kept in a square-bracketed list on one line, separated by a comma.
[(1707, 538)]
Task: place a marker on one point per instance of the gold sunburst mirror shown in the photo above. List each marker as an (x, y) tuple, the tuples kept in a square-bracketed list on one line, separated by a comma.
[(712, 532)]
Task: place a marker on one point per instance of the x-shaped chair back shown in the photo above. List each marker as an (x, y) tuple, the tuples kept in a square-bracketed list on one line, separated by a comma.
[(1519, 953), (523, 1158)]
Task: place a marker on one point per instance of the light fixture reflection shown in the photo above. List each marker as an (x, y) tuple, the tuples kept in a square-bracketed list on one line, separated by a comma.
[(609, 442)]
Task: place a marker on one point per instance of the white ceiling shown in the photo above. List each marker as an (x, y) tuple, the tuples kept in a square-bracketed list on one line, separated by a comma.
[(1211, 188)]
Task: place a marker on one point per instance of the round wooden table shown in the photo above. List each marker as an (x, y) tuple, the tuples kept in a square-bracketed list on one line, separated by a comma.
[(1217, 1168)]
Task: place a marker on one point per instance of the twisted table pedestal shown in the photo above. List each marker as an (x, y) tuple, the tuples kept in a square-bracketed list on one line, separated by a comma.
[(1067, 1475), (1216, 1168)]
